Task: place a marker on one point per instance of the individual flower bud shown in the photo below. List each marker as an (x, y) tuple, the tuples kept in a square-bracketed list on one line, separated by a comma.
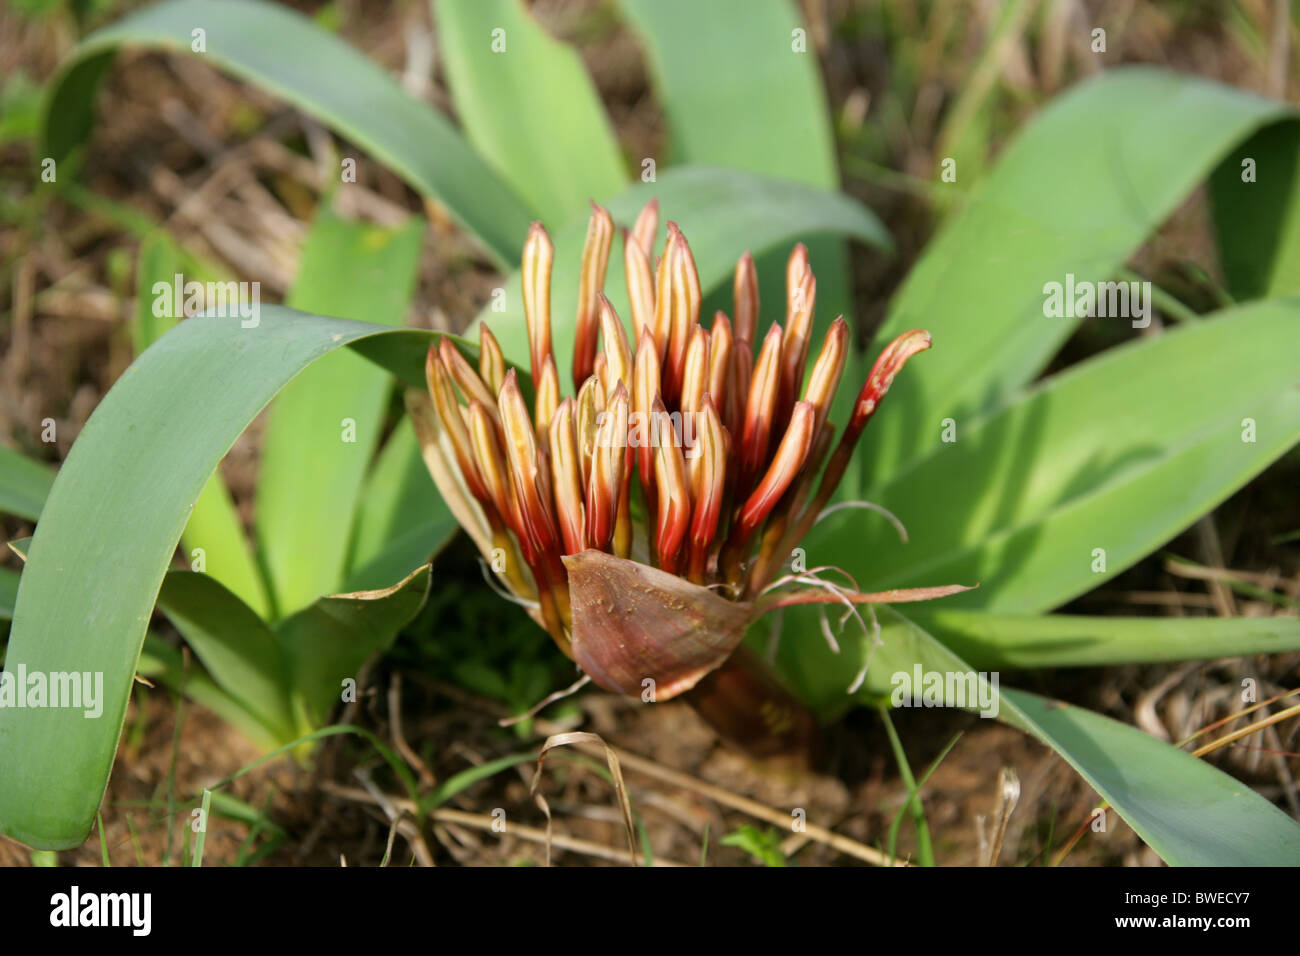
[(826, 372), (590, 403), (760, 408), (536, 280), (617, 353), (789, 458), (647, 224), (606, 479), (695, 374), (566, 477), (640, 286), (448, 410), (463, 374), (591, 280), (672, 495), (720, 363), (745, 299), (491, 363), (645, 389), (664, 281), (794, 350), (548, 396), (521, 453), (708, 487)]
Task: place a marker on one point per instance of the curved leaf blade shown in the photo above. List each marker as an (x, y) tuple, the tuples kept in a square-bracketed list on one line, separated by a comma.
[(288, 55), (326, 643), (94, 572), (979, 288), (1188, 811), (214, 526)]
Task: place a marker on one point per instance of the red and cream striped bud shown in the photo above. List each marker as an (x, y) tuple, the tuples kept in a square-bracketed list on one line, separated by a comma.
[(617, 353), (786, 463), (695, 374), (606, 479), (745, 299), (521, 453), (591, 280), (645, 390), (491, 363), (673, 498), (647, 224), (640, 285), (760, 409), (548, 396), (535, 275), (566, 474), (827, 370), (708, 487)]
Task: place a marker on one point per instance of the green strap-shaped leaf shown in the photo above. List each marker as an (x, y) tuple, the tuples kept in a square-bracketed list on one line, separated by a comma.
[(214, 527), (325, 644), (236, 647), (401, 518), (1019, 641), (528, 106), (109, 529), (1075, 193), (24, 484), (1051, 495), (282, 51), (1187, 811), (722, 212), (324, 428), (738, 87)]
